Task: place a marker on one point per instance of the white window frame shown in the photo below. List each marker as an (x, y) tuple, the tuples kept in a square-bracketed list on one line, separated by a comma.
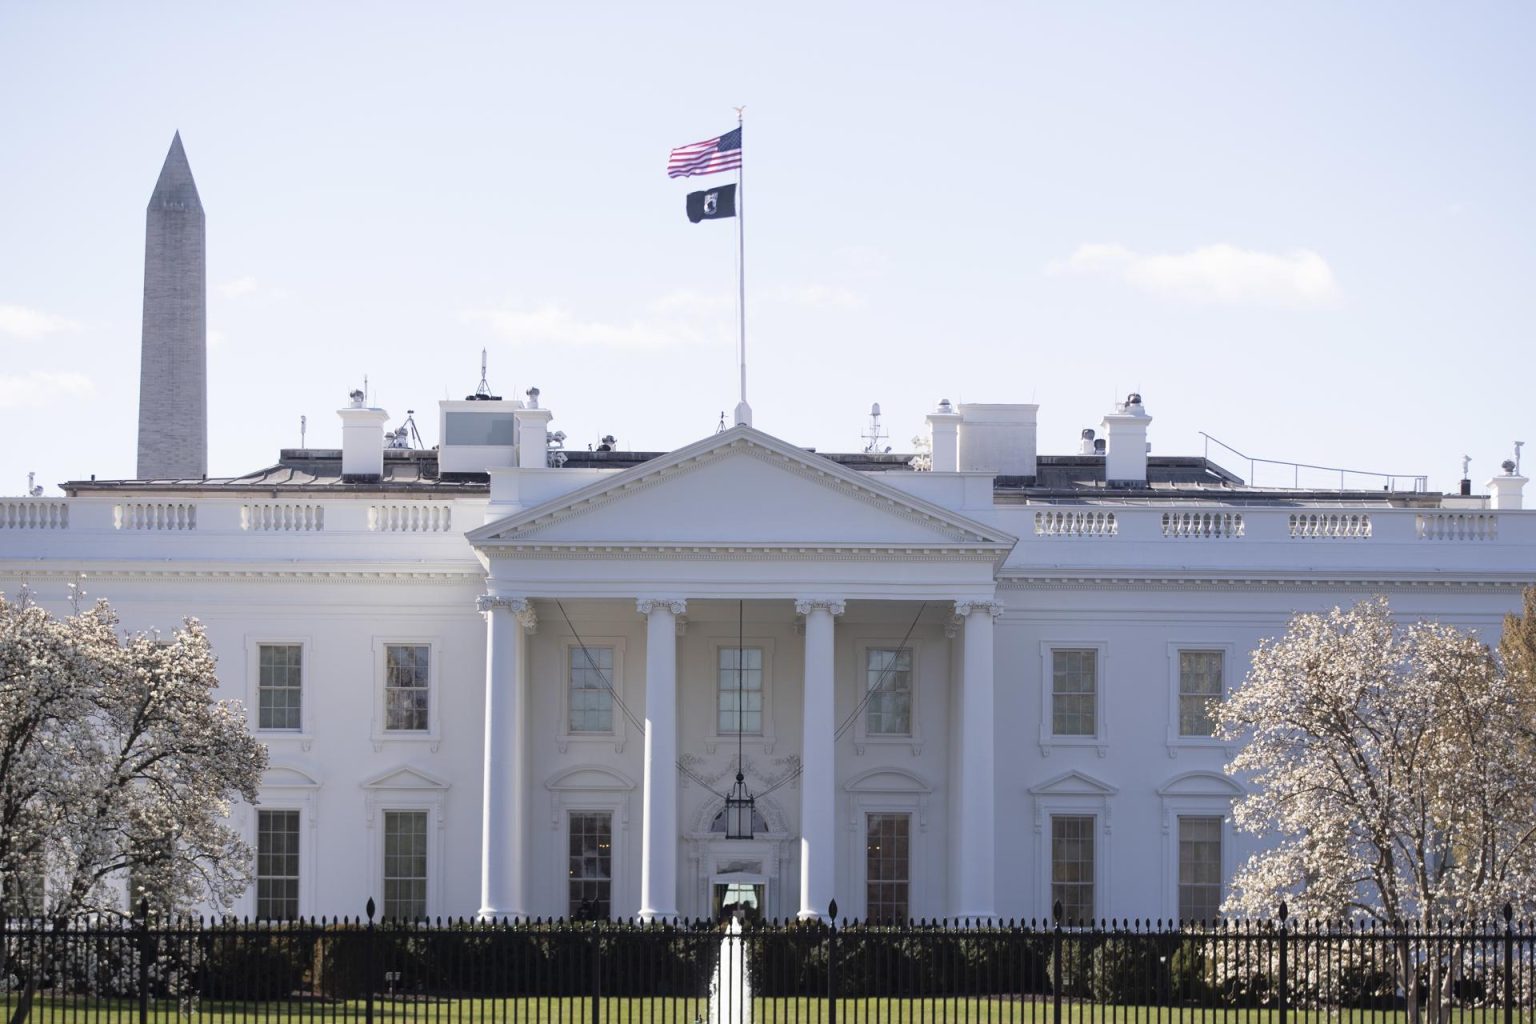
[(619, 734), (1203, 794), (1074, 793), (892, 791), (1099, 741), (862, 737), (1174, 740), (254, 643), (432, 735), (615, 868), (912, 836), (1178, 852), (406, 789), (768, 737), (304, 843), (588, 787), (286, 787)]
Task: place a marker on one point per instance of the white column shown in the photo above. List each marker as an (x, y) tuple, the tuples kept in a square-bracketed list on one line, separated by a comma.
[(659, 835), (818, 775), (974, 791), (504, 819)]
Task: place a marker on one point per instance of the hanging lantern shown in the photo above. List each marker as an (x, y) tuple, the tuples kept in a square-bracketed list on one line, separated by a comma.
[(740, 808)]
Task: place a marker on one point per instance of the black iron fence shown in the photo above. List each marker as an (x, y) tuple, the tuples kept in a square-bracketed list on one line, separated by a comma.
[(1268, 972)]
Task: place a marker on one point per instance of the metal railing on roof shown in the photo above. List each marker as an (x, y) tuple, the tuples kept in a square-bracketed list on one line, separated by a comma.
[(1419, 482)]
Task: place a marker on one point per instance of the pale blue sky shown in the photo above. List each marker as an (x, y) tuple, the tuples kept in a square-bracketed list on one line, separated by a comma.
[(1303, 228)]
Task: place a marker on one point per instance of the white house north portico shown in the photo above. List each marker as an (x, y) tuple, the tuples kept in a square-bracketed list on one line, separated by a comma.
[(825, 565)]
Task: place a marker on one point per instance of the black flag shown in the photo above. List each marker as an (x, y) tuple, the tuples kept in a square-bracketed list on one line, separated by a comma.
[(712, 204)]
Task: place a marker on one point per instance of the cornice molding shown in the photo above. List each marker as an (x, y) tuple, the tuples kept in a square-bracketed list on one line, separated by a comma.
[(1270, 583), (475, 578), (715, 552)]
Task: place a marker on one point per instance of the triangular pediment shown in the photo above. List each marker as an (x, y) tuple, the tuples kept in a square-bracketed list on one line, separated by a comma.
[(1073, 783), (742, 488), (406, 778)]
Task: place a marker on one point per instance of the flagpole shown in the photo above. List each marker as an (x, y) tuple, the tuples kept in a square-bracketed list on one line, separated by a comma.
[(743, 410)]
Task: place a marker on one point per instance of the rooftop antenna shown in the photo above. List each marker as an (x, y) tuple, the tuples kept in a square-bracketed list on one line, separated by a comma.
[(483, 390), (303, 429), (721, 428), (365, 390), (875, 434), (1518, 446)]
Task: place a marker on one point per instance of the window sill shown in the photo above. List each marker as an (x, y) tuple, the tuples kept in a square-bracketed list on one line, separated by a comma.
[(563, 742), (1178, 743), (1097, 743), (305, 740), (864, 741), (406, 736)]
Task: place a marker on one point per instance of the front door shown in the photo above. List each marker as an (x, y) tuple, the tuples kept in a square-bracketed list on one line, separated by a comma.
[(747, 893)]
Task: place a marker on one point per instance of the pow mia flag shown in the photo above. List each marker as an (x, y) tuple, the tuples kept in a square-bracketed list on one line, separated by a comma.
[(712, 204)]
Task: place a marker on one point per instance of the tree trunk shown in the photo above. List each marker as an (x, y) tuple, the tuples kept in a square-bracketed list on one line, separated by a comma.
[(1408, 978), (24, 1004)]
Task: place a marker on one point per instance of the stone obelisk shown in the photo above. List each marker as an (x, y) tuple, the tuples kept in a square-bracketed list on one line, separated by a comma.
[(173, 365)]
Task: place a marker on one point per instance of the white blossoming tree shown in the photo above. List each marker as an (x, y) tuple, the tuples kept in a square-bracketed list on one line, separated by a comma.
[(1391, 770), (116, 764)]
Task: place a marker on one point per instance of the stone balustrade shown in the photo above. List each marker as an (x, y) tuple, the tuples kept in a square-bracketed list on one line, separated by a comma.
[(34, 514), (414, 517), (283, 517)]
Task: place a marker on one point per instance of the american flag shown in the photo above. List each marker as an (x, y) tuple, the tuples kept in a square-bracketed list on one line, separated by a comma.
[(708, 157)]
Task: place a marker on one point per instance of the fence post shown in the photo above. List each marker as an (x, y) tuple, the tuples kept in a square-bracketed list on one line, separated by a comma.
[(143, 943), (369, 965), (832, 962), (1285, 966), (597, 976), (1056, 963), (1509, 964)]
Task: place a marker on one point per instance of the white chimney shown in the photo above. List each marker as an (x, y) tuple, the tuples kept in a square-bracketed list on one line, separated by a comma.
[(1506, 490), (998, 439), (1125, 432), (533, 435), (362, 440), (943, 427)]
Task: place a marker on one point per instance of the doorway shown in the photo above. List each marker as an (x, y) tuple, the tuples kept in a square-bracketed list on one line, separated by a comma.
[(747, 893)]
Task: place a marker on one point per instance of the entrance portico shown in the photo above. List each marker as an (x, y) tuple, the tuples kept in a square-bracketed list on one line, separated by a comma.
[(828, 545)]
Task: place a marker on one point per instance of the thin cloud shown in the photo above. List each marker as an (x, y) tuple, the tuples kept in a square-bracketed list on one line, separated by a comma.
[(672, 321), (240, 286), (42, 388), (1213, 274), (821, 296), (31, 324)]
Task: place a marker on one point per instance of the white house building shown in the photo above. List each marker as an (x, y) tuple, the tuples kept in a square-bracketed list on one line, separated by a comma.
[(490, 683), (499, 678)]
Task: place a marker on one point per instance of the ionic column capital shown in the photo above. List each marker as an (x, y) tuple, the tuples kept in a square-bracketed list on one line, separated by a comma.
[(806, 605), (647, 605), (965, 608), (520, 607)]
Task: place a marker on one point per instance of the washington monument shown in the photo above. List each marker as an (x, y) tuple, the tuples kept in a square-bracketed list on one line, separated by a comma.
[(173, 364)]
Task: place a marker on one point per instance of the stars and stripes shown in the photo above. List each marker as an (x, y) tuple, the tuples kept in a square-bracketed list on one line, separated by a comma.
[(711, 156)]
